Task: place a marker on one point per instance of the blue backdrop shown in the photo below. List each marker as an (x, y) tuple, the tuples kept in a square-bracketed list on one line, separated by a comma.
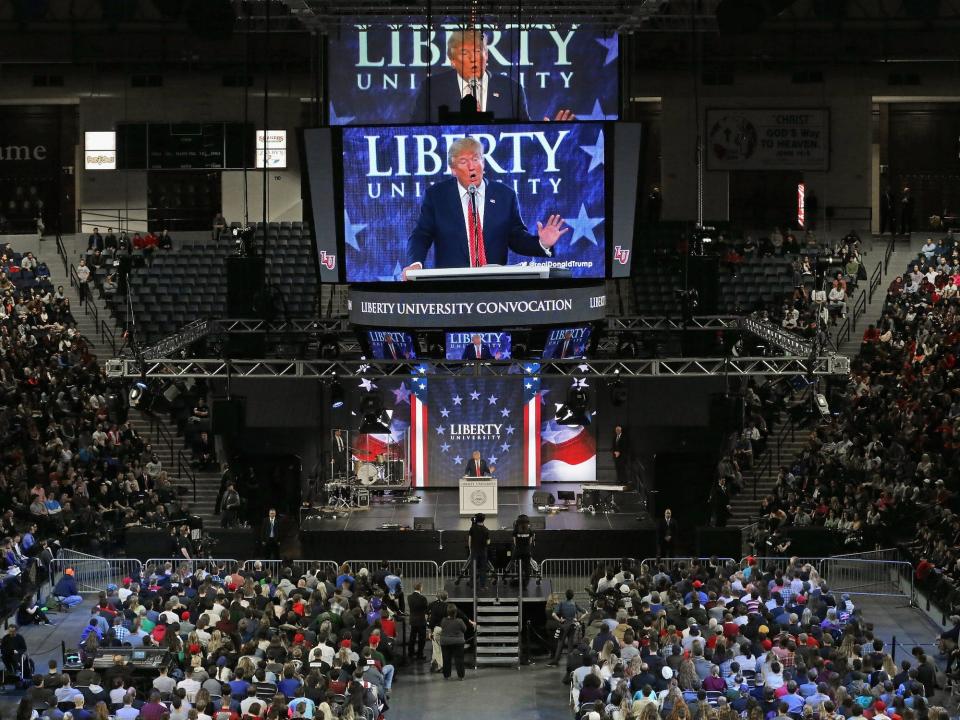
[(379, 69), (553, 167)]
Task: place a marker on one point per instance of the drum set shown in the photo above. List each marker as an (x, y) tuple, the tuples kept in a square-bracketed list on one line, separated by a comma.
[(355, 482)]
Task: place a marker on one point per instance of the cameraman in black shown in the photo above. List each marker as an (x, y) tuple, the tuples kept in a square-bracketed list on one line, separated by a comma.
[(478, 541), (568, 614), (523, 541), (183, 544)]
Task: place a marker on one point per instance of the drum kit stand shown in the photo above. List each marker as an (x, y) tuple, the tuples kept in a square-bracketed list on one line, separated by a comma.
[(367, 479)]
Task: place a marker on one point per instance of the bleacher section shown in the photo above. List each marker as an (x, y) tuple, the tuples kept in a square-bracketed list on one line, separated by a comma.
[(190, 281), (760, 283)]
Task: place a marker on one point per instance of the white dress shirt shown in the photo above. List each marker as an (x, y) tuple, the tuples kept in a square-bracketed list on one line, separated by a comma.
[(482, 85)]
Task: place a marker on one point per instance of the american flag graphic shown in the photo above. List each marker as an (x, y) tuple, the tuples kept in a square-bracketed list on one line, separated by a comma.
[(568, 453)]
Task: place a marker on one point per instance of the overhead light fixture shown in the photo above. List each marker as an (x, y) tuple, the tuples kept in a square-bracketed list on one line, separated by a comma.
[(136, 393), (618, 392), (336, 395), (374, 419), (574, 410)]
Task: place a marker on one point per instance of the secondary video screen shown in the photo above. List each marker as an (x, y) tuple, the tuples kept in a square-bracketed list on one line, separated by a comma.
[(405, 205), (565, 343), (391, 345), (400, 72), (478, 345)]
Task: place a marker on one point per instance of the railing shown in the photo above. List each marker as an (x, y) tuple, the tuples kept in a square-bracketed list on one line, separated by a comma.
[(653, 562), (410, 571), (876, 277), (161, 436), (117, 218), (108, 336), (850, 324), (888, 253), (877, 578), (62, 252), (184, 470), (86, 297), (301, 567), (575, 573), (91, 573), (158, 564)]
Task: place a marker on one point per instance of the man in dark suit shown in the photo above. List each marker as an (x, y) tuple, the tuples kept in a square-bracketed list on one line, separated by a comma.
[(477, 350), (906, 211), (888, 218), (393, 350), (467, 52), (666, 534), (477, 466), (566, 348), (270, 536), (621, 453), (417, 607), (472, 222)]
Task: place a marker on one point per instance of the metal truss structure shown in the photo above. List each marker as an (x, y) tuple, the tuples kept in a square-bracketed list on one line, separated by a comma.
[(776, 336), (213, 368)]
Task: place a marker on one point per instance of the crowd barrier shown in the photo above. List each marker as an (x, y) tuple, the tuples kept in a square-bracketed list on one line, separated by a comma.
[(877, 573)]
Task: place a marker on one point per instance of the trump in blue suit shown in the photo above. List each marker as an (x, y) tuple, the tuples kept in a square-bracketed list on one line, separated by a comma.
[(444, 216)]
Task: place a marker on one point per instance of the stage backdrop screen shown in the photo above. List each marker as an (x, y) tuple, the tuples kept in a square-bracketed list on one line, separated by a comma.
[(493, 345), (570, 342), (551, 168), (381, 72), (391, 345)]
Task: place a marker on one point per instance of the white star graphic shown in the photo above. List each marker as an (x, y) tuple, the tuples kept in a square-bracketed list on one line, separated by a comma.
[(401, 394), (491, 461), (580, 383), (505, 447), (444, 412), (368, 384), (397, 273), (595, 152), (456, 400), (528, 386), (509, 429), (440, 429), (350, 231), (444, 447), (582, 226), (596, 114), (492, 400), (505, 413), (613, 49), (339, 119), (474, 395), (457, 460)]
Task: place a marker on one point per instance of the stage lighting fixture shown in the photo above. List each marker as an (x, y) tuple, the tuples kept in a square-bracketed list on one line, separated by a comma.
[(374, 418), (574, 410), (245, 240), (618, 393), (136, 393), (822, 405), (336, 395)]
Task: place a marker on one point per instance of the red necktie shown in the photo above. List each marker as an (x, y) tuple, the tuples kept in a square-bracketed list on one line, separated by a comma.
[(476, 464), (478, 252)]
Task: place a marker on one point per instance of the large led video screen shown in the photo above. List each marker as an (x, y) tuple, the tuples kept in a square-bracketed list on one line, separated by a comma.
[(565, 343), (402, 203), (400, 72), (478, 345), (391, 345)]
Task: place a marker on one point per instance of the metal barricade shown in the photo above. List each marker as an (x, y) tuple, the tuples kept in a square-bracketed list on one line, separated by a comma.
[(93, 574), (877, 578), (329, 567), (576, 573), (272, 567), (158, 564), (651, 563), (449, 570), (411, 572), (780, 562)]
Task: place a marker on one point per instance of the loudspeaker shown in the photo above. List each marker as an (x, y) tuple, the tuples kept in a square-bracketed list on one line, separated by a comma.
[(723, 542), (703, 275), (423, 523), (244, 283), (228, 416), (542, 497), (538, 522)]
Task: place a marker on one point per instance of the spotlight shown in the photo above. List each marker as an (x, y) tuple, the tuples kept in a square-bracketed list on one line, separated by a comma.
[(822, 405), (574, 410), (136, 393), (244, 240), (336, 395), (618, 393), (375, 418)]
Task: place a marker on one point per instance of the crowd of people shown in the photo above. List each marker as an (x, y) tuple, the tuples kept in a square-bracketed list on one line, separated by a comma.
[(886, 464), (713, 641), (256, 643)]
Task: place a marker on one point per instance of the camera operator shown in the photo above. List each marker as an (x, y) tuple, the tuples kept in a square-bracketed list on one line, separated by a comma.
[(183, 544), (568, 615), (523, 541)]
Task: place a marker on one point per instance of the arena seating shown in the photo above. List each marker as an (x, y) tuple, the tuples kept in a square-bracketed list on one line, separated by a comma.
[(190, 281)]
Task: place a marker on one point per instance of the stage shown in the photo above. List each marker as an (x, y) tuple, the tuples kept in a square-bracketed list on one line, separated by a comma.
[(432, 529)]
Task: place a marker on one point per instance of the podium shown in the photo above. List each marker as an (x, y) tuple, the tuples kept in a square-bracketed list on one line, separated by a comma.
[(478, 495)]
